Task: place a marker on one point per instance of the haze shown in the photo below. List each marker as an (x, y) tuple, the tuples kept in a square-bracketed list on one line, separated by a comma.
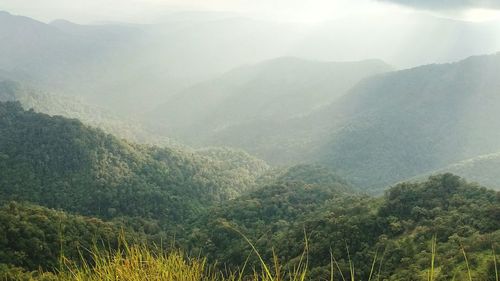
[(146, 11), (277, 78)]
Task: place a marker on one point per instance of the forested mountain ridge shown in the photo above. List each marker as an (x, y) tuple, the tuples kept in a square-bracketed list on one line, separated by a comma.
[(132, 67), (265, 214), (54, 59), (391, 126), (482, 169), (398, 227), (61, 163), (270, 91), (408, 122)]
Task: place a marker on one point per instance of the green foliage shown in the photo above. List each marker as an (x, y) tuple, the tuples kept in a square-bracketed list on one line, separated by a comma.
[(202, 197), (396, 228), (61, 163), (33, 237)]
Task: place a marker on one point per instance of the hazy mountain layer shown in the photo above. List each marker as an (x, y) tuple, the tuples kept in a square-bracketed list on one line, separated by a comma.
[(271, 91), (74, 107), (391, 126), (404, 123), (483, 169), (133, 68)]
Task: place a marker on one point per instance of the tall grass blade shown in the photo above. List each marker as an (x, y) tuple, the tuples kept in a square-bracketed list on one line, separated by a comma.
[(380, 264), (373, 265), (495, 262), (466, 262), (332, 257), (351, 266), (264, 266)]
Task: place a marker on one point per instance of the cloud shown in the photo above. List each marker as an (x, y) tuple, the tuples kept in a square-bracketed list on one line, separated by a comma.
[(448, 4)]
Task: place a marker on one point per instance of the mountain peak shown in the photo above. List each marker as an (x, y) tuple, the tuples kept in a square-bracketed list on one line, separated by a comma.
[(62, 22)]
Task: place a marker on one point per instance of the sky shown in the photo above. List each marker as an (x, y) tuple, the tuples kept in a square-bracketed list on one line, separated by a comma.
[(146, 11)]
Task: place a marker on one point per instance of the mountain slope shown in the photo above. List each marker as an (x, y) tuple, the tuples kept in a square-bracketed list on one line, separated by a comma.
[(273, 90), (392, 126), (132, 68), (407, 122), (61, 163), (266, 214), (483, 169), (74, 107)]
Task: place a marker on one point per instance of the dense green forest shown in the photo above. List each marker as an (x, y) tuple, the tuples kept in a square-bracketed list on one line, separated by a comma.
[(35, 236), (62, 163), (399, 226), (78, 187)]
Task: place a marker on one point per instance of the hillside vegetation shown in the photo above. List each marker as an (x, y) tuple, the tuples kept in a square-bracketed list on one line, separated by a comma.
[(205, 202), (409, 122), (34, 237), (62, 163), (258, 145), (394, 233), (397, 228)]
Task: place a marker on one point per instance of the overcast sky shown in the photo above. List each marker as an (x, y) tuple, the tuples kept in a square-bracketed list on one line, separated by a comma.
[(89, 11)]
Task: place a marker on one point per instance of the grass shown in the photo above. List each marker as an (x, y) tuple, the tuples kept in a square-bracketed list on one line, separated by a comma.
[(139, 262), (495, 262)]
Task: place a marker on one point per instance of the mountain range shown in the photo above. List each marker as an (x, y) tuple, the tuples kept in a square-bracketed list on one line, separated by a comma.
[(388, 127), (247, 142), (271, 91)]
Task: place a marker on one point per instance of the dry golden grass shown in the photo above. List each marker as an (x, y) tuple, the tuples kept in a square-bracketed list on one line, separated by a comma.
[(139, 263)]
